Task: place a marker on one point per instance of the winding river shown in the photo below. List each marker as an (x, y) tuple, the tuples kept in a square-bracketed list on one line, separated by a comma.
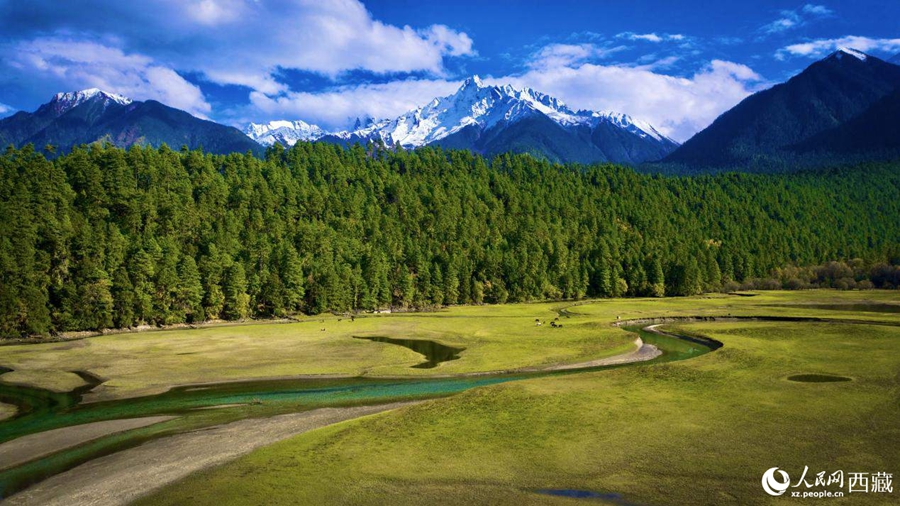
[(41, 410)]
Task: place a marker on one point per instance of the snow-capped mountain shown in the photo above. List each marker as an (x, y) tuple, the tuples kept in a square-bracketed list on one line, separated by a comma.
[(849, 51), (86, 116), (493, 119), (285, 132), (63, 102)]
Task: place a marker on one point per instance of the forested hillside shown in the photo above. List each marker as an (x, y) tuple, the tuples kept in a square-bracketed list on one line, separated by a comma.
[(794, 125), (104, 237)]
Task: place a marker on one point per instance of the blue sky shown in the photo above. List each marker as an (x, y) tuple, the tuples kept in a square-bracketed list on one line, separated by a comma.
[(675, 64)]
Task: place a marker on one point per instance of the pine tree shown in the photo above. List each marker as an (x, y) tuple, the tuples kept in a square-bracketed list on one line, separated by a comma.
[(190, 290), (237, 301), (477, 292), (657, 278), (123, 299), (318, 228), (94, 305), (292, 277)]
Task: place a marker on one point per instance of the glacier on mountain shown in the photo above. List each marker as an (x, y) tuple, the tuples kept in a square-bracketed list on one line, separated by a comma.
[(473, 104)]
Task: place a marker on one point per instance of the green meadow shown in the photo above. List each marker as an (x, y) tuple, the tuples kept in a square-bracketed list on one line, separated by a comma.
[(495, 337), (698, 431)]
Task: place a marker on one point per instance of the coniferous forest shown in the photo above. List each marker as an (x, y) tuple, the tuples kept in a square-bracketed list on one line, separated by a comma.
[(104, 238)]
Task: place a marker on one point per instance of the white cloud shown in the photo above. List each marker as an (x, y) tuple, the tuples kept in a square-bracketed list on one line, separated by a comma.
[(677, 106), (6, 110), (658, 63), (821, 47), (817, 10), (554, 55), (215, 12), (230, 42), (75, 64), (791, 19), (337, 107), (325, 37), (781, 24), (651, 37), (449, 41)]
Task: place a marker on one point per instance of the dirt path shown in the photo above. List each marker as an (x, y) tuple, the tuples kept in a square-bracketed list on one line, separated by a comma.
[(643, 353), (122, 477), (30, 447)]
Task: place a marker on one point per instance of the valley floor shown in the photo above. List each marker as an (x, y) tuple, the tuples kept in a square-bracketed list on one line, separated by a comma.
[(699, 431)]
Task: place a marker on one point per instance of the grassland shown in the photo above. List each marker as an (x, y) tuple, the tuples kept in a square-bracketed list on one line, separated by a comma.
[(495, 338), (700, 431), (56, 380), (7, 411)]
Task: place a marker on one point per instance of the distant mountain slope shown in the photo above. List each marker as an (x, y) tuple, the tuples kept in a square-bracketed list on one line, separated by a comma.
[(764, 128), (873, 133), (82, 117), (497, 119)]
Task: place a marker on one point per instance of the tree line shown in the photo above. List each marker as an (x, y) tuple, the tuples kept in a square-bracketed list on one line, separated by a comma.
[(103, 237)]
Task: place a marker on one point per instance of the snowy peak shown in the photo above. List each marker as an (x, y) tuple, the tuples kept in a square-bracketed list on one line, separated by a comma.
[(93, 115), (287, 133), (472, 82), (476, 107), (478, 104), (846, 51), (625, 122), (64, 102)]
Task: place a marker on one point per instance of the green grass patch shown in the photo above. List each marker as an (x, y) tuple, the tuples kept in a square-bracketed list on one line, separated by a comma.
[(494, 337), (700, 431)]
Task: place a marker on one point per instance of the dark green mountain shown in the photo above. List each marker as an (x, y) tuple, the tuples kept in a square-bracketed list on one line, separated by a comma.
[(775, 129), (83, 117), (873, 134)]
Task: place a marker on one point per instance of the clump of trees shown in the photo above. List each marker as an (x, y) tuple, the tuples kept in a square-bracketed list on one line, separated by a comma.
[(855, 274), (103, 237)]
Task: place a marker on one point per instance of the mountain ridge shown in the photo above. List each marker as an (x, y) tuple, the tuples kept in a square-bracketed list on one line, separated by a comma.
[(80, 117), (482, 118), (761, 132)]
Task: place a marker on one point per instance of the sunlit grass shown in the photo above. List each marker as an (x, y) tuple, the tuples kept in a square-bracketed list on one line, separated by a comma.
[(495, 337), (700, 431)]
